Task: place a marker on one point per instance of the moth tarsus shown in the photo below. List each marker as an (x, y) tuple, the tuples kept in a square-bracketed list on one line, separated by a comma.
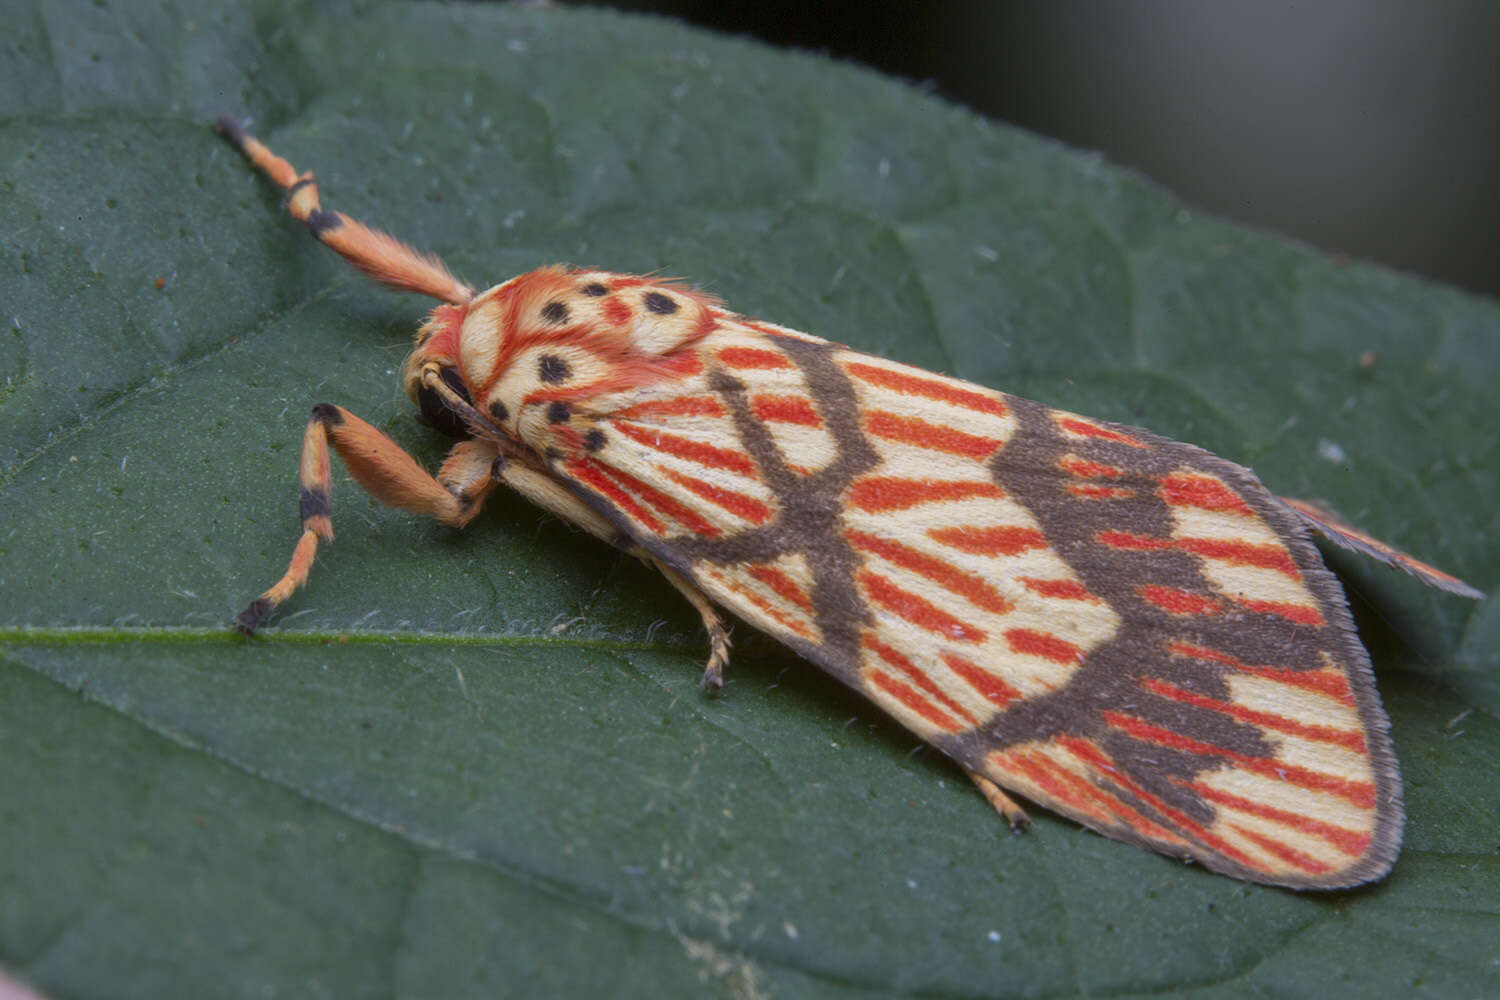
[(1122, 628)]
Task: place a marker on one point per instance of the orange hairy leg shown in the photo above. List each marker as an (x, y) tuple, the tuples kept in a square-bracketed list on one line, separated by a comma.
[(378, 254), (1004, 804), (388, 473)]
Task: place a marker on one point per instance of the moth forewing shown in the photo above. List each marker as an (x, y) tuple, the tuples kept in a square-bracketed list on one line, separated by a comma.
[(1122, 628)]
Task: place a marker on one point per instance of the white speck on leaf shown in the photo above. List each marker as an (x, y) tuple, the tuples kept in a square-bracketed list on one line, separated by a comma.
[(1330, 451)]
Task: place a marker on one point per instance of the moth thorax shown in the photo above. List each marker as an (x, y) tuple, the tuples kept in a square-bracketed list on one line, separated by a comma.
[(480, 339), (666, 321)]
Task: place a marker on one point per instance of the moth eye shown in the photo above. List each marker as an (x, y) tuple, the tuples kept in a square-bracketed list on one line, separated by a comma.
[(593, 290), (662, 305), (435, 412), (553, 369), (555, 312)]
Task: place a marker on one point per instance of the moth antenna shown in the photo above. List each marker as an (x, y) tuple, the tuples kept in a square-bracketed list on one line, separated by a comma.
[(378, 254)]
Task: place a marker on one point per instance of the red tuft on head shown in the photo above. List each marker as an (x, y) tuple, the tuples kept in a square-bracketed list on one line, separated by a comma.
[(445, 321)]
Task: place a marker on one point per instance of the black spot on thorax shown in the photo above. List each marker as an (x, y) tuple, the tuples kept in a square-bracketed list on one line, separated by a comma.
[(553, 369), (555, 312), (662, 305)]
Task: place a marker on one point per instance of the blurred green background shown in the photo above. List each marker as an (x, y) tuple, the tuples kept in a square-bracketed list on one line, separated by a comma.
[(1364, 127)]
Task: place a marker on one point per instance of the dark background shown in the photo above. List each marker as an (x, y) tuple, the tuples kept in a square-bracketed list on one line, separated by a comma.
[(1364, 127)]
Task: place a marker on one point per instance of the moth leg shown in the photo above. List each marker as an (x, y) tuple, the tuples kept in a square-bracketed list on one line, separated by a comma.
[(1004, 804), (378, 254), (388, 473), (713, 623), (547, 493)]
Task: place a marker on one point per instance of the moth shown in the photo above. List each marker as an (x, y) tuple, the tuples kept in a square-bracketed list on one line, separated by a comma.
[(1125, 629)]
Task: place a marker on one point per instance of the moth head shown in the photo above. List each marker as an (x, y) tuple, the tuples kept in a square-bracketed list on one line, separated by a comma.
[(541, 352), (435, 351)]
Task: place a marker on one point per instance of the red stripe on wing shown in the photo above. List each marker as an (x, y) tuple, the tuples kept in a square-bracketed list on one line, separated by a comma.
[(1063, 787), (1132, 542), (879, 494), (1302, 614), (661, 503), (1184, 489), (987, 684), (738, 504), (970, 587), (1085, 469), (1063, 590), (943, 392), (1083, 428), (1349, 739), (689, 450), (1116, 809), (934, 437), (1197, 831), (785, 410), (1290, 855), (1180, 602), (781, 582), (901, 662), (1239, 553), (589, 472), (995, 540), (914, 701), (1351, 842), (681, 406), (1089, 492), (1332, 683), (1360, 793), (753, 359), (1243, 554), (917, 610), (1044, 644), (770, 610)]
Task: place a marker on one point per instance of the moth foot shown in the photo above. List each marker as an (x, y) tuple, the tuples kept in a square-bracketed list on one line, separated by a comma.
[(718, 657), (1004, 804)]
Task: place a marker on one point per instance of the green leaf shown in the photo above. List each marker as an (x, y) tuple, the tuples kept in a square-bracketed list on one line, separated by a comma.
[(478, 763)]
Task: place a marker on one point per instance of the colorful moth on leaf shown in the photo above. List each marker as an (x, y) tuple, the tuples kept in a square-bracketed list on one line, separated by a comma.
[(1125, 629)]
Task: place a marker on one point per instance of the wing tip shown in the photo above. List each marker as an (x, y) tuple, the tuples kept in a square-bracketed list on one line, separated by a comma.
[(1319, 517)]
